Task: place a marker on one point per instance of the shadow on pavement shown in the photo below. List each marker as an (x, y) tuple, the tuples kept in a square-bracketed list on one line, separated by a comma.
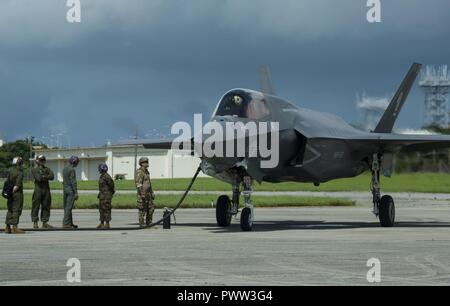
[(270, 226)]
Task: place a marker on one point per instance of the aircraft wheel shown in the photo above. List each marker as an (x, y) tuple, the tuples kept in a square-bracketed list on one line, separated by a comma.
[(387, 211), (246, 219), (223, 211)]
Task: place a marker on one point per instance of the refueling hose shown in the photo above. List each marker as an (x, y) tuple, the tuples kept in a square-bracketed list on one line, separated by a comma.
[(169, 215), (180, 202)]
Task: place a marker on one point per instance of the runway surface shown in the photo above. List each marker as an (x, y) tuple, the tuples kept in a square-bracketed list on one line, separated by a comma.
[(289, 246)]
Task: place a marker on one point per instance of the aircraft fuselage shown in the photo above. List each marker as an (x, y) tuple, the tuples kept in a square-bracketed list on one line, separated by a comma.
[(313, 146)]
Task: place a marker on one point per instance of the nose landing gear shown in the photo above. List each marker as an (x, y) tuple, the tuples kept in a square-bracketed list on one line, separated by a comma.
[(226, 208), (223, 211)]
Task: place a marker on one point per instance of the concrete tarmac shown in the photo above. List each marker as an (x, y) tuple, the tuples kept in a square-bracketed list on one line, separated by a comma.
[(289, 246)]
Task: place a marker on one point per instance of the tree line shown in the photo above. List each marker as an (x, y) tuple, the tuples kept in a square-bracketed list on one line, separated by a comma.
[(20, 148)]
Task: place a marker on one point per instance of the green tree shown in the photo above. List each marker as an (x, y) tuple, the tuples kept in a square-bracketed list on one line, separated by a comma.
[(18, 148), (438, 129)]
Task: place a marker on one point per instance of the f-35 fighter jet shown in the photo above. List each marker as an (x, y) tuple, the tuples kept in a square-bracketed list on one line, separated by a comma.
[(314, 147)]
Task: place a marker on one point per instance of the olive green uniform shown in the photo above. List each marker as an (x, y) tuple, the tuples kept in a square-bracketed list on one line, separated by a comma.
[(15, 203), (70, 192), (106, 191), (145, 196), (42, 198)]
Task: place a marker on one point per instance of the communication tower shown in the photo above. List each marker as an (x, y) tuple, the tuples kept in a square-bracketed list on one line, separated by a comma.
[(435, 82)]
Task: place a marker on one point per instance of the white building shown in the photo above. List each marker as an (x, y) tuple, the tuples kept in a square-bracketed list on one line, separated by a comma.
[(120, 161), (2, 142)]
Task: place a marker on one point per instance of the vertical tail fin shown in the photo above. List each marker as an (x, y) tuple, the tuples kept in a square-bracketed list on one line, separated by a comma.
[(390, 115), (265, 78)]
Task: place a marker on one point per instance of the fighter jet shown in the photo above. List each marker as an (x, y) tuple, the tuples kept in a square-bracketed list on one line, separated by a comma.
[(315, 147)]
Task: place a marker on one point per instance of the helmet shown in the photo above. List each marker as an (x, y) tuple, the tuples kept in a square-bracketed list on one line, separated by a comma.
[(17, 161), (74, 160), (143, 160), (237, 100), (102, 168), (41, 158)]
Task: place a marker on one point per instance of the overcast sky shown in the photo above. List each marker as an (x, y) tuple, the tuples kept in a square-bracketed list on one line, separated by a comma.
[(149, 63)]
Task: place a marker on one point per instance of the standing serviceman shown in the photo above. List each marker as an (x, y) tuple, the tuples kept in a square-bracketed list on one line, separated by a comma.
[(42, 198), (145, 195), (15, 203), (106, 191), (70, 191)]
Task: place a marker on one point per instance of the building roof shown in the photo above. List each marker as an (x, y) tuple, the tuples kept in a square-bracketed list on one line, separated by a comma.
[(92, 148), (97, 157)]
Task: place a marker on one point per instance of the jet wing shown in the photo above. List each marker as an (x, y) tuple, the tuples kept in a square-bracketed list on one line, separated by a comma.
[(404, 142)]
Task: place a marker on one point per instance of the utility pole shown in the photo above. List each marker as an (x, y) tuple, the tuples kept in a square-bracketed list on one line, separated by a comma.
[(136, 133), (31, 139)]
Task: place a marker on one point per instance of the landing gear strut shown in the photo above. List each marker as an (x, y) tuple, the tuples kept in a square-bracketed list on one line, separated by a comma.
[(383, 206), (247, 213), (226, 208)]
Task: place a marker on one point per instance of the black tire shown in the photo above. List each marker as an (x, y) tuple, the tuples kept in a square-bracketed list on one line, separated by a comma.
[(223, 211), (387, 211), (246, 222)]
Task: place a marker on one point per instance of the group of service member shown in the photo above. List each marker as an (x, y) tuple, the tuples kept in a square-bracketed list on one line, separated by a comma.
[(42, 199)]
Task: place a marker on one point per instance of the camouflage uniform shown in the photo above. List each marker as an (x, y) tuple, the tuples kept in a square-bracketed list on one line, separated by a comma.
[(70, 190), (106, 192), (145, 196), (15, 203), (41, 197)]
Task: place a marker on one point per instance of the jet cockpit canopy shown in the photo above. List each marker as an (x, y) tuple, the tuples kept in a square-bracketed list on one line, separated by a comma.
[(243, 104)]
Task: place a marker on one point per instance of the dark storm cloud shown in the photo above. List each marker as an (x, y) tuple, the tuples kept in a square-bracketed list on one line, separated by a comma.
[(150, 63)]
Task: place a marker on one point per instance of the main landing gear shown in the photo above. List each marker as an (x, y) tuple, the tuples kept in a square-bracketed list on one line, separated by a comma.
[(227, 208), (383, 206)]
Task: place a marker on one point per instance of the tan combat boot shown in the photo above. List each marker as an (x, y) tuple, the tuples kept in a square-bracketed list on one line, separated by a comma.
[(8, 229), (45, 225), (64, 226), (35, 225), (16, 230), (107, 226), (100, 226)]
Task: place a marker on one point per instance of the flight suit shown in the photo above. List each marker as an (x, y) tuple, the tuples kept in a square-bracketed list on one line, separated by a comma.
[(70, 193), (106, 192), (15, 203), (145, 196), (42, 198)]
